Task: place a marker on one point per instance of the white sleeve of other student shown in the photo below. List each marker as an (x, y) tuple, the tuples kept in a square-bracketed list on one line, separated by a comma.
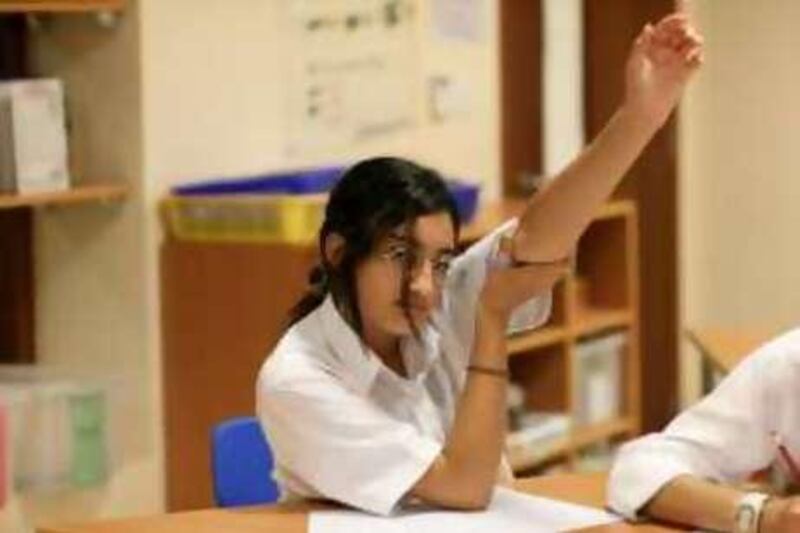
[(725, 437)]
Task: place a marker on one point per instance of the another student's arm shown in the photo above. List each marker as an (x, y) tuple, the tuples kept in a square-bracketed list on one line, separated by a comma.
[(696, 502), (465, 472), (710, 506), (724, 438), (660, 64)]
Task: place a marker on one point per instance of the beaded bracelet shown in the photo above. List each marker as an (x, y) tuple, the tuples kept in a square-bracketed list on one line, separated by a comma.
[(496, 372)]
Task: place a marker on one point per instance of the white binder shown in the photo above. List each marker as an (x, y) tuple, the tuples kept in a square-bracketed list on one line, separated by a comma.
[(33, 144)]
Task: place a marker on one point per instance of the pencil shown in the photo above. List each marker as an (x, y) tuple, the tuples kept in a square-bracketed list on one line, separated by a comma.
[(787, 457)]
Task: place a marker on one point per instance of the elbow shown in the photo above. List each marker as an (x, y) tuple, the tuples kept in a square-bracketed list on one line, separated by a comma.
[(472, 499), (479, 504), (463, 487)]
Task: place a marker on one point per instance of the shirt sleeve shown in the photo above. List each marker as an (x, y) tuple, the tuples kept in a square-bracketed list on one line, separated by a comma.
[(723, 438), (344, 447), (465, 282)]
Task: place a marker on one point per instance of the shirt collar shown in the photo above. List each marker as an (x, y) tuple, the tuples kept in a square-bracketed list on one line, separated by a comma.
[(361, 365)]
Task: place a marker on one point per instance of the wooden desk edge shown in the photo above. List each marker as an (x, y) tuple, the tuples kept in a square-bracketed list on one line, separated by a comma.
[(581, 489), (725, 348)]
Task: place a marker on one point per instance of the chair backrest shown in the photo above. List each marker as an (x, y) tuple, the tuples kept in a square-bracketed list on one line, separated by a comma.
[(242, 463)]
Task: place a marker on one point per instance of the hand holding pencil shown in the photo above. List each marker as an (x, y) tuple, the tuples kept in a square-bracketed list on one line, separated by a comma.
[(782, 515)]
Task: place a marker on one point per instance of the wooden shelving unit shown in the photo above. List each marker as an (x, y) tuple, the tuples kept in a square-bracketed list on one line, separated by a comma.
[(594, 321), (600, 298), (523, 343), (563, 449), (80, 194), (59, 6), (18, 211)]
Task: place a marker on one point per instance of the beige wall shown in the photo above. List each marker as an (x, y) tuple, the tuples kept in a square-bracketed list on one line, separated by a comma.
[(740, 190), (215, 92), (178, 92)]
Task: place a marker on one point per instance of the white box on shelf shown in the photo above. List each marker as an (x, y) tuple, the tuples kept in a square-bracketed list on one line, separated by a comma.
[(537, 432), (597, 378), (33, 140), (596, 458)]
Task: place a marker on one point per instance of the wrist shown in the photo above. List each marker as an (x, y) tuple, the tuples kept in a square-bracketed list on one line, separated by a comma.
[(770, 514), (750, 515), (641, 118), (489, 346), (491, 319)]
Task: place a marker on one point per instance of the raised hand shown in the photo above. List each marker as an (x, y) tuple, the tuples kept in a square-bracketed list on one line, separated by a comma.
[(663, 58)]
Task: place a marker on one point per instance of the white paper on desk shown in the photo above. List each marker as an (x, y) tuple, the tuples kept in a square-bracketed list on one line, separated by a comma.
[(509, 512)]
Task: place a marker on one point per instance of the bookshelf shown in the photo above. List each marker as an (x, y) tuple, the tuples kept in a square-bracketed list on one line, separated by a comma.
[(79, 194), (18, 212), (59, 6)]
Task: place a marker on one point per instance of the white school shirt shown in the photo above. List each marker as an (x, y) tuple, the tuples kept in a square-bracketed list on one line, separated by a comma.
[(726, 436), (345, 427)]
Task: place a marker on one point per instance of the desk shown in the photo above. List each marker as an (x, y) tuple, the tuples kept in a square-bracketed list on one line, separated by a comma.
[(722, 349), (584, 489)]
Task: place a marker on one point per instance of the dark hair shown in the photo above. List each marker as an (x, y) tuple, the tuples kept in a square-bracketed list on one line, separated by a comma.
[(372, 198)]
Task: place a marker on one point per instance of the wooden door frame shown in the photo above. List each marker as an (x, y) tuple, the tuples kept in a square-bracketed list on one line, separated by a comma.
[(520, 35), (609, 30)]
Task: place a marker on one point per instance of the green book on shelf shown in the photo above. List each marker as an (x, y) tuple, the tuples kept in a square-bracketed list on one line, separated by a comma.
[(89, 452)]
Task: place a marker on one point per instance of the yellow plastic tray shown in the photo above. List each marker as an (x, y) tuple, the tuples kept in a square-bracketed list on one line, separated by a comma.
[(293, 219)]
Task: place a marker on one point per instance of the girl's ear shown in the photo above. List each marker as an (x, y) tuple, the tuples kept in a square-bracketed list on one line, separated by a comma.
[(333, 248)]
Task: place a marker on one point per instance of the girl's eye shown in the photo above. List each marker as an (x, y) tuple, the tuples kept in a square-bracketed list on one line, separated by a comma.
[(398, 253), (442, 265)]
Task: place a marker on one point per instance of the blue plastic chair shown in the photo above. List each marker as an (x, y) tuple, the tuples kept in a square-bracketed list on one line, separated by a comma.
[(242, 463)]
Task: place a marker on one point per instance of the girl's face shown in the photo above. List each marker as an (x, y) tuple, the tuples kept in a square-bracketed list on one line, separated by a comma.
[(425, 256)]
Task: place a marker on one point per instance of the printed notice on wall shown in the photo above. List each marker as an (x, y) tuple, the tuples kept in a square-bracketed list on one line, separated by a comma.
[(458, 19), (353, 71)]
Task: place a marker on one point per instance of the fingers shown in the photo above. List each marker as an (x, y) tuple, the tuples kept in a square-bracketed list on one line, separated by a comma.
[(506, 288), (539, 273), (672, 39), (675, 28), (695, 58), (645, 38), (673, 21), (691, 51)]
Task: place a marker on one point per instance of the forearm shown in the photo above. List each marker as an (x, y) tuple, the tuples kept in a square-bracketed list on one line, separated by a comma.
[(558, 214), (692, 501), (476, 441), (465, 473)]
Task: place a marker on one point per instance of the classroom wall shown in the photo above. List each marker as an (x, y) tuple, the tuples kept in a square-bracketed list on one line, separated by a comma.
[(176, 93), (738, 167), (222, 112)]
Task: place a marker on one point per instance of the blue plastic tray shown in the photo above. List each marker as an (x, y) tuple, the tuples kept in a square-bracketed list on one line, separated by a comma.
[(466, 197), (313, 181), (310, 181)]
